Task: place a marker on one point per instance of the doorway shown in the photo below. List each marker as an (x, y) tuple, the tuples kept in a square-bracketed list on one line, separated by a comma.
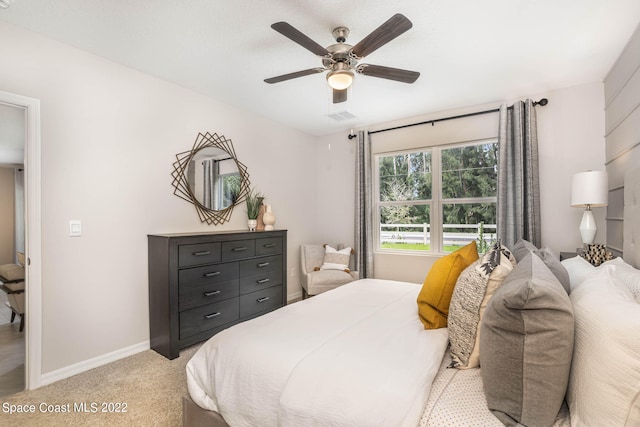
[(29, 238)]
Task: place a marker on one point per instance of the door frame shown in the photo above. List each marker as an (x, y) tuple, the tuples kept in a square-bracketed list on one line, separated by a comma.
[(33, 233)]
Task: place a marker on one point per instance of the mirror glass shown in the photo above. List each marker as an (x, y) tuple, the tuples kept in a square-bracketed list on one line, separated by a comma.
[(211, 178), (214, 178)]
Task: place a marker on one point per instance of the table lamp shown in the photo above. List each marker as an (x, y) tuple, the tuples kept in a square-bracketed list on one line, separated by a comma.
[(589, 190)]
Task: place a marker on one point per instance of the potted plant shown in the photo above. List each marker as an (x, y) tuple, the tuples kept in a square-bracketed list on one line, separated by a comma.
[(253, 200)]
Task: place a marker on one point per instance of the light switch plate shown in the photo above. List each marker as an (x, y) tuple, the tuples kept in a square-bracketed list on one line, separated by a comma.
[(75, 228)]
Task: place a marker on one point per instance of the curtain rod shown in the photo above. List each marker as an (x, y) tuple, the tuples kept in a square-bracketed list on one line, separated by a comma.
[(543, 102)]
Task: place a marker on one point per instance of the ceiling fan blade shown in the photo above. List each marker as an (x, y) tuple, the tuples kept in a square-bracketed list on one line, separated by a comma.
[(295, 75), (397, 74), (339, 96), (382, 35), (289, 31)]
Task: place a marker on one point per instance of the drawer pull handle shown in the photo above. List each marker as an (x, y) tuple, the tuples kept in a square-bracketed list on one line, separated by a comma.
[(202, 253), (270, 245), (263, 299), (263, 264), (211, 274), (239, 249), (263, 281), (211, 293), (212, 315)]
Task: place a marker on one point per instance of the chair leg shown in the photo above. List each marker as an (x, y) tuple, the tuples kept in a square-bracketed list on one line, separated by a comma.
[(21, 322), (13, 316), (304, 293)]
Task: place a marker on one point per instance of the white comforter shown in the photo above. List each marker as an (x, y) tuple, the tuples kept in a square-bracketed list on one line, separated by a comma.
[(354, 356)]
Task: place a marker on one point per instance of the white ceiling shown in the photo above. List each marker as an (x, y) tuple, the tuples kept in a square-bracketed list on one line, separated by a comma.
[(468, 51)]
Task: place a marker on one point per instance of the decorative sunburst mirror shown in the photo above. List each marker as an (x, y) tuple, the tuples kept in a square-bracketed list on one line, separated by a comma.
[(211, 178)]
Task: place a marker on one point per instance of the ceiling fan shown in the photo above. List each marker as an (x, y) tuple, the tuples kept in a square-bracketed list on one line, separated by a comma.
[(341, 59)]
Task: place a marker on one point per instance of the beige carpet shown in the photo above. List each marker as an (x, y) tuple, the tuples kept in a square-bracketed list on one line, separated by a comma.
[(149, 385)]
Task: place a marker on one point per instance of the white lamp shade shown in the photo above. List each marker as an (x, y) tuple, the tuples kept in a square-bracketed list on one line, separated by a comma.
[(589, 189)]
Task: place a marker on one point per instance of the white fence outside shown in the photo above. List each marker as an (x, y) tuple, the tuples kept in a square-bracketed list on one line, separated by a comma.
[(397, 233)]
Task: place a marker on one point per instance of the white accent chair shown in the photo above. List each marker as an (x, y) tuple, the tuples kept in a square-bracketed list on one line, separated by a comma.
[(315, 281), (12, 278)]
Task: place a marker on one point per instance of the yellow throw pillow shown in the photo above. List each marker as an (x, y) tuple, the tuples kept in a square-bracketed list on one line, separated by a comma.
[(435, 295)]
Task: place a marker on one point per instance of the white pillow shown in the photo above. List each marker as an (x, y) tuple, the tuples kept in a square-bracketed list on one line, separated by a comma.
[(336, 259), (605, 371), (628, 275), (578, 269)]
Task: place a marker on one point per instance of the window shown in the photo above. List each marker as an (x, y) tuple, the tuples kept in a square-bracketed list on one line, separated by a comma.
[(437, 199)]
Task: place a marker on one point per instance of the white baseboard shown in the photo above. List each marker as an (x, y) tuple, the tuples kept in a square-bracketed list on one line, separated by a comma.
[(85, 365), (296, 296)]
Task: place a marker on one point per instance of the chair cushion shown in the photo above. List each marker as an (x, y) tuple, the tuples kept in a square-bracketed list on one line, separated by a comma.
[(435, 295), (12, 272), (15, 286), (325, 280), (526, 345)]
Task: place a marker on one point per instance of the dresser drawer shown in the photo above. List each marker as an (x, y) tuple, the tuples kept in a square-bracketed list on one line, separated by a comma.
[(260, 281), (209, 274), (201, 253), (260, 301), (238, 249), (208, 317), (251, 267), (196, 295), (269, 246)]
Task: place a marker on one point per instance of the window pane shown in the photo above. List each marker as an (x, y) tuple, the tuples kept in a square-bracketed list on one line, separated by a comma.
[(470, 171), (461, 224), (405, 227), (405, 176)]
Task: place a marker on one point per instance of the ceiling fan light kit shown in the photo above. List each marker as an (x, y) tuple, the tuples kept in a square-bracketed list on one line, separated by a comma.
[(341, 59)]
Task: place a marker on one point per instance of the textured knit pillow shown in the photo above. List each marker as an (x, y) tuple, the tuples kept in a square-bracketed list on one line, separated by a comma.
[(604, 385), (336, 259), (435, 295), (526, 345), (474, 288)]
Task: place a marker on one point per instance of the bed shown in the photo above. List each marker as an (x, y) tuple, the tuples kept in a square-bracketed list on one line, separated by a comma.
[(359, 356)]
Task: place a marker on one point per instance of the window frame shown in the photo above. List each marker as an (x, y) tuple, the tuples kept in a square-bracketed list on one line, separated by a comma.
[(436, 202)]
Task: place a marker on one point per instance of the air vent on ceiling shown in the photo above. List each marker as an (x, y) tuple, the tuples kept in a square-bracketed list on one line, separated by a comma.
[(342, 115)]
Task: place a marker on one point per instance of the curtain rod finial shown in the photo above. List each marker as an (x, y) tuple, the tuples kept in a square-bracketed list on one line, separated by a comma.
[(352, 134), (543, 102)]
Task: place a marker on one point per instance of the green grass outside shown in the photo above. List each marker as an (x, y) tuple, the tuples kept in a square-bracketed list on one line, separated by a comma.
[(416, 247)]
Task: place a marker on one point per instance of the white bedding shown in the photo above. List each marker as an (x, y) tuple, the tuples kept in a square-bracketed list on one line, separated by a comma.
[(357, 355)]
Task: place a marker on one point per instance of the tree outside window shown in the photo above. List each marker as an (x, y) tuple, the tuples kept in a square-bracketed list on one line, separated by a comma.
[(464, 196)]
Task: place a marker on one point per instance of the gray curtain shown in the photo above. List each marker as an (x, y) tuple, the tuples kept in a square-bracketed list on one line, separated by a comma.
[(518, 178), (364, 207)]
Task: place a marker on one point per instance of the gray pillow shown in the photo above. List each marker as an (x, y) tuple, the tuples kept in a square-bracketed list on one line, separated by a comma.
[(551, 259), (522, 248), (526, 346)]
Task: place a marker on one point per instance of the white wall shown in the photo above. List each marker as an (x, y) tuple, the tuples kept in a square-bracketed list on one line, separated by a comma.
[(570, 137), (109, 137)]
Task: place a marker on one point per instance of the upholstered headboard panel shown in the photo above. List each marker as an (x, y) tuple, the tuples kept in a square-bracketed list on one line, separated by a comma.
[(631, 249)]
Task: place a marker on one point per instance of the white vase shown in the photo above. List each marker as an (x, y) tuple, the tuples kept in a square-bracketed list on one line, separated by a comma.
[(252, 224), (269, 219)]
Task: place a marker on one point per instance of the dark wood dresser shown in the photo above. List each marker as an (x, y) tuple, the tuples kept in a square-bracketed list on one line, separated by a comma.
[(200, 284)]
